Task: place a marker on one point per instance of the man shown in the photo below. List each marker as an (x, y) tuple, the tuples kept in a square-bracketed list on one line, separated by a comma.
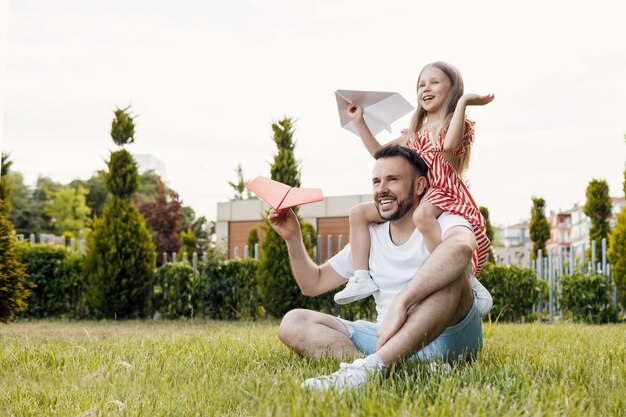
[(425, 307)]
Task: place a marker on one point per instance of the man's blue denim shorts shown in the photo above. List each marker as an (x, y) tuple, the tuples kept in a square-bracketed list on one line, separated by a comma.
[(458, 342)]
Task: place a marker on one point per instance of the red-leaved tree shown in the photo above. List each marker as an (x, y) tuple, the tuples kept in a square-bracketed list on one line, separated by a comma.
[(163, 216)]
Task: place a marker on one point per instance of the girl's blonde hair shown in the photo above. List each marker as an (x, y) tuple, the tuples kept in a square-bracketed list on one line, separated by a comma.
[(455, 93)]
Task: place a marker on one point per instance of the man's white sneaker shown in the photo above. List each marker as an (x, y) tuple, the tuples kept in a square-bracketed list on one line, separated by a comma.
[(349, 376), (356, 288), (482, 297)]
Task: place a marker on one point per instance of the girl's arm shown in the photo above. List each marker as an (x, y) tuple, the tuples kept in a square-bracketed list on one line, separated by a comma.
[(355, 112), (454, 135)]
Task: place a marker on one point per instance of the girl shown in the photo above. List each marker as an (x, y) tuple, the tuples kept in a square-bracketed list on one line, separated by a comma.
[(443, 136)]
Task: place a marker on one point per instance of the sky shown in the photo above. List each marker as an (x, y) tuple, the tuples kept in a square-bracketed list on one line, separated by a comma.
[(206, 79)]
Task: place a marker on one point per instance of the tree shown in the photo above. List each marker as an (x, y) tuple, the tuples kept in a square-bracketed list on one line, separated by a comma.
[(253, 239), (69, 210), (119, 261), (488, 231), (163, 216), (598, 208), (97, 193), (21, 204), (617, 255), (13, 278), (539, 226), (123, 127), (188, 244), (240, 186), (5, 184), (199, 226), (277, 288)]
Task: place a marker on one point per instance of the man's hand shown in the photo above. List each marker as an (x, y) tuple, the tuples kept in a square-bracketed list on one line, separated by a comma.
[(476, 100), (393, 321), (285, 223)]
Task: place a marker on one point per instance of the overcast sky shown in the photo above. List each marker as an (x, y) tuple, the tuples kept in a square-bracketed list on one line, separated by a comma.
[(207, 78)]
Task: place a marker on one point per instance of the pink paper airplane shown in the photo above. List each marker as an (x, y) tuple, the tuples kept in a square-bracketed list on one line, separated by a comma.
[(281, 196)]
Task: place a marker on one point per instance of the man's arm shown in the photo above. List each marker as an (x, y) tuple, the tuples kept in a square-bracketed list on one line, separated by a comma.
[(312, 279), (442, 267)]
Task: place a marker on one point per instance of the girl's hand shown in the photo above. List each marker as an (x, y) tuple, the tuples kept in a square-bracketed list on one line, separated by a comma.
[(477, 100), (355, 112)]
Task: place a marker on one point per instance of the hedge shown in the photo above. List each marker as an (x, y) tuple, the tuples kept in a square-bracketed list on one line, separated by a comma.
[(588, 297), (514, 291)]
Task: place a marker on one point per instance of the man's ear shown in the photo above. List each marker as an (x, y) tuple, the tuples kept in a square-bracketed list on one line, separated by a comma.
[(420, 184)]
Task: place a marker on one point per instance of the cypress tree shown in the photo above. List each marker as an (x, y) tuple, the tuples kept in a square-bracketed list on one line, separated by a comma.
[(488, 231), (119, 261), (5, 184), (598, 208), (617, 255), (539, 226), (253, 239), (277, 287), (14, 288)]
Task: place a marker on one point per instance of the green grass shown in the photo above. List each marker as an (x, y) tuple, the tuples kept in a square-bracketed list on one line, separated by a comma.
[(197, 368)]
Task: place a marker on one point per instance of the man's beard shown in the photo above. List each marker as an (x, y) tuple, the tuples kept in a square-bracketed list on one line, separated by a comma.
[(403, 206)]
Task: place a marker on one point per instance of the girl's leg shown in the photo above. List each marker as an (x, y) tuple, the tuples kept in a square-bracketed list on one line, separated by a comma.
[(361, 216), (425, 219)]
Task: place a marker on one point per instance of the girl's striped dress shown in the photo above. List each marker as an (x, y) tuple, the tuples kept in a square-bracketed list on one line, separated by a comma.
[(448, 192)]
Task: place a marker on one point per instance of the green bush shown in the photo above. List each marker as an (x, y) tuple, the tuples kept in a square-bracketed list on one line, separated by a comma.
[(119, 263), (173, 290), (588, 297), (14, 286), (514, 291), (227, 289), (56, 275)]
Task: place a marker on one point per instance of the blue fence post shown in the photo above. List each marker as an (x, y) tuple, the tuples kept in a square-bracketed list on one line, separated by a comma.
[(558, 285), (604, 256), (184, 256), (174, 256), (194, 263), (256, 251), (318, 252), (339, 242), (329, 248), (236, 252), (593, 254), (540, 276), (551, 285), (246, 252)]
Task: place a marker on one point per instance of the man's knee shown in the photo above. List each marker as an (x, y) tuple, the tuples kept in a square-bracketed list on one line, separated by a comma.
[(291, 324)]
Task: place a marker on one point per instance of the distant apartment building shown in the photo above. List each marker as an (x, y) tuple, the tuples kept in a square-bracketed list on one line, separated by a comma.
[(571, 227), (516, 235), (147, 162)]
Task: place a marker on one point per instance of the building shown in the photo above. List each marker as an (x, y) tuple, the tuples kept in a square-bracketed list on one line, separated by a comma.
[(329, 218), (517, 235), (147, 162)]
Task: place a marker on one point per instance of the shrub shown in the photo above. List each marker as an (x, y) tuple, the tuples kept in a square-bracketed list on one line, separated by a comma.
[(56, 276), (227, 289), (588, 297), (119, 263), (173, 290), (14, 287), (514, 290)]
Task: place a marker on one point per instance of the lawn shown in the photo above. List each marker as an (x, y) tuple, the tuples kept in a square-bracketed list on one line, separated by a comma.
[(198, 368)]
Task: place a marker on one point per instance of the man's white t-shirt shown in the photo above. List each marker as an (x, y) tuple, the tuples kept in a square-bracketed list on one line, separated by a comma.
[(392, 266)]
